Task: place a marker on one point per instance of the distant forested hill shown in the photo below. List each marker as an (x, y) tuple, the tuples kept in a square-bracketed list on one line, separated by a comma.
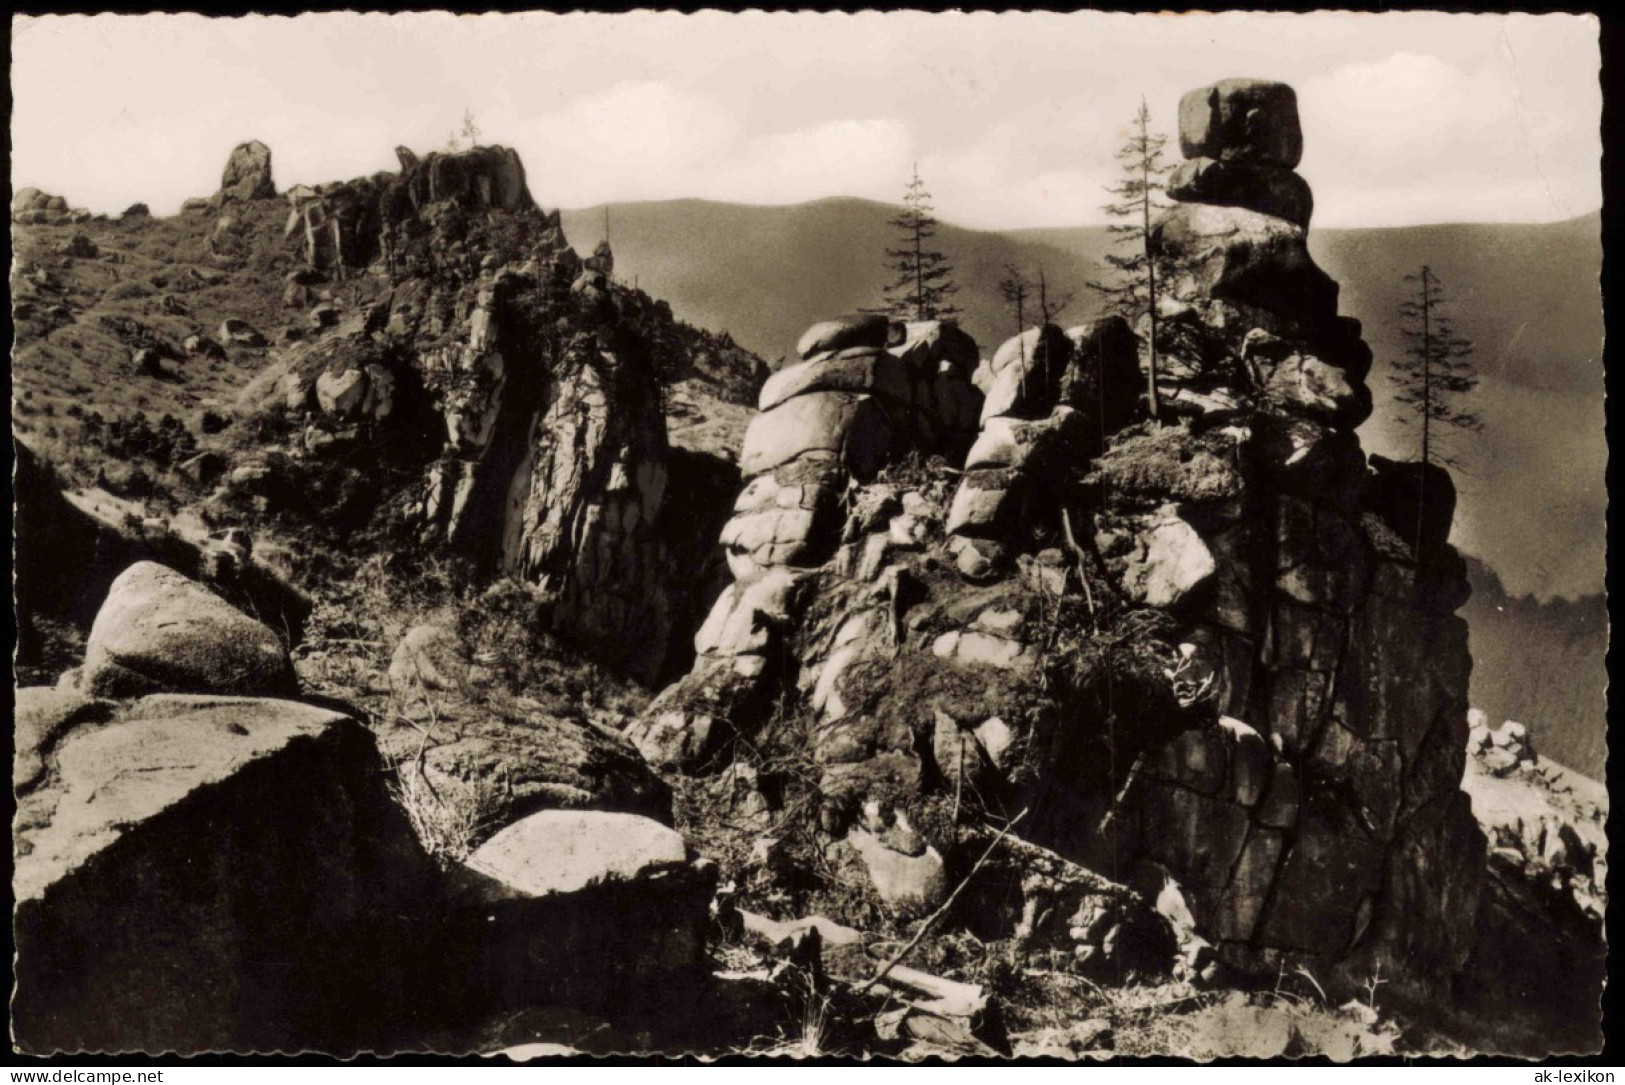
[(1532, 485), (1542, 663)]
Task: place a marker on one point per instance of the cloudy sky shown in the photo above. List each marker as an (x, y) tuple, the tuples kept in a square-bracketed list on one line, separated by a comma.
[(1013, 118)]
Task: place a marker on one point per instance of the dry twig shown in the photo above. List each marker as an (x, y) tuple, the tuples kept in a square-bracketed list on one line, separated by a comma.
[(931, 920)]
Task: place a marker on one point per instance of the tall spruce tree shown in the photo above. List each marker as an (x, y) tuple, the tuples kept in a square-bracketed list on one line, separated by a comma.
[(922, 286), (1436, 371), (1132, 291)]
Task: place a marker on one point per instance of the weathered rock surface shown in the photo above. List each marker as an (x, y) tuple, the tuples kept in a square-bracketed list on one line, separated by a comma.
[(210, 874), (43, 715), (159, 631), (526, 761), (595, 911), (909, 884), (561, 851), (1541, 912), (247, 175), (1235, 254), (1269, 190), (867, 330), (1243, 120)]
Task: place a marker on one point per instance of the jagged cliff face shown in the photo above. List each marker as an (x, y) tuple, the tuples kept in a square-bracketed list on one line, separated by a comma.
[(524, 384), (1219, 648)]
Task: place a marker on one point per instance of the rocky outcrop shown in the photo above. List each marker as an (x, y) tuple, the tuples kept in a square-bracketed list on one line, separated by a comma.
[(31, 207), (247, 175), (521, 386), (1541, 915), (1544, 823), (348, 224), (1218, 645)]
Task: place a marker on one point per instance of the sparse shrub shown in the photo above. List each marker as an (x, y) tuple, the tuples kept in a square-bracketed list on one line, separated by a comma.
[(450, 818), (127, 481), (136, 438), (1151, 464), (129, 290)]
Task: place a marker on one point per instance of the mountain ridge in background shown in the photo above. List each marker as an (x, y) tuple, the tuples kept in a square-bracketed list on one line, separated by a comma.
[(1527, 295)]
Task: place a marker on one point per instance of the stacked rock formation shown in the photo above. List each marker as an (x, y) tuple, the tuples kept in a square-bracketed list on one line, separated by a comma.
[(31, 207), (1053, 398), (1217, 653), (828, 423), (1322, 817)]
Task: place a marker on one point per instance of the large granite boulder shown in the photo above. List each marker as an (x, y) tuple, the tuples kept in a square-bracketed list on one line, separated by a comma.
[(159, 631), (201, 874), (596, 911), (1242, 120), (521, 763)]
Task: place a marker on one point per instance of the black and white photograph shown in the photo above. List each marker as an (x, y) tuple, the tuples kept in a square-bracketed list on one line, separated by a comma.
[(875, 538)]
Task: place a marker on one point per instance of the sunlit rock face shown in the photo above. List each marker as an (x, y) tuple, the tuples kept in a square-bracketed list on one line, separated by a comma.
[(521, 382)]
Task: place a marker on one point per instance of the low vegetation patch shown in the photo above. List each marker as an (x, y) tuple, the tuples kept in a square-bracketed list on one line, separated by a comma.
[(1150, 464)]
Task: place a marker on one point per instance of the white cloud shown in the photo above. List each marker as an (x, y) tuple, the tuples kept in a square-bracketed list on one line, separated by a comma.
[(846, 157), (627, 142), (1013, 117), (1413, 138), (647, 140)]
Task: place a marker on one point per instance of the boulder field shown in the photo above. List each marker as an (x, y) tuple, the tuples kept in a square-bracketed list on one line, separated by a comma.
[(204, 862)]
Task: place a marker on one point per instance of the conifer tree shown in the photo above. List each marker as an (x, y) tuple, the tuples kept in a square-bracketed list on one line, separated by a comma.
[(1132, 291), (1019, 292), (1435, 372), (922, 285)]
